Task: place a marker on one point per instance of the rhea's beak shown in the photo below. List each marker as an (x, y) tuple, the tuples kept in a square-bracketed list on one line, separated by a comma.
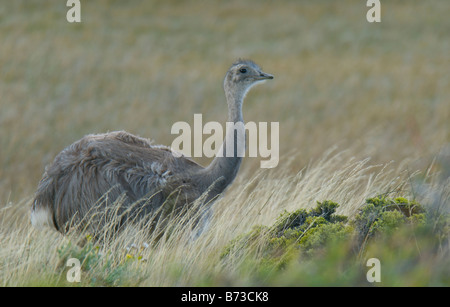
[(264, 76)]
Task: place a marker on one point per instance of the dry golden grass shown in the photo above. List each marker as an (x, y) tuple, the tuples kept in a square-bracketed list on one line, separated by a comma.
[(29, 256), (370, 91)]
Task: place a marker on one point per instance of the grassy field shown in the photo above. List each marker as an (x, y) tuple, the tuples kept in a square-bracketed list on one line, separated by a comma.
[(364, 110)]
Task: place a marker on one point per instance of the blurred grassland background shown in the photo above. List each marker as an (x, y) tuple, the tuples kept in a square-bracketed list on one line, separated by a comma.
[(378, 91)]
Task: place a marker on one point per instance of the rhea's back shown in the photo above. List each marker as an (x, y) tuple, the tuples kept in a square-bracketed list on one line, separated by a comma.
[(108, 166)]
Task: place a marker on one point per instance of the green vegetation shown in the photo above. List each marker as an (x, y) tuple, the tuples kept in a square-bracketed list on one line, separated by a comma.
[(321, 239), (293, 230), (313, 247), (100, 269), (383, 215)]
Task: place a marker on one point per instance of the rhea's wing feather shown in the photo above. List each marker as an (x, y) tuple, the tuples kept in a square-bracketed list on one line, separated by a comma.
[(143, 171), (110, 164)]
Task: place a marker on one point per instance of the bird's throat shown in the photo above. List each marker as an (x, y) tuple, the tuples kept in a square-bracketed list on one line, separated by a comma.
[(225, 166)]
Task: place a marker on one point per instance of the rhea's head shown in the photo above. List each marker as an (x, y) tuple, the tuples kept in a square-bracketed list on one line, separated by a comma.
[(242, 75)]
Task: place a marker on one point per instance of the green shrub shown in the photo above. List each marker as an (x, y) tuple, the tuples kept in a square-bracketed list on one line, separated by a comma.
[(97, 268), (303, 244), (382, 215), (293, 232)]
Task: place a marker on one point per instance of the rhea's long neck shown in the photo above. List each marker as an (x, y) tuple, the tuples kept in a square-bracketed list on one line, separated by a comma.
[(224, 168)]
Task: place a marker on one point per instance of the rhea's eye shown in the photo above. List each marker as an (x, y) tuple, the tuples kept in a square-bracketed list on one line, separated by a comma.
[(243, 70)]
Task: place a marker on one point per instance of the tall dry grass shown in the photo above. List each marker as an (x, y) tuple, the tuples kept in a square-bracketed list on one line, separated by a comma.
[(31, 257), (376, 93)]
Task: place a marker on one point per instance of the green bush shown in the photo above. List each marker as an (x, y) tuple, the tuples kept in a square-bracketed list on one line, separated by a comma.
[(310, 247), (99, 269), (293, 232), (381, 215)]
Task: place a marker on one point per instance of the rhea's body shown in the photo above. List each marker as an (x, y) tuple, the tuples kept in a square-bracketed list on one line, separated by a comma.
[(96, 171)]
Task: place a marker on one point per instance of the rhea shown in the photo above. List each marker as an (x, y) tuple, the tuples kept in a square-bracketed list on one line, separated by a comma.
[(100, 169)]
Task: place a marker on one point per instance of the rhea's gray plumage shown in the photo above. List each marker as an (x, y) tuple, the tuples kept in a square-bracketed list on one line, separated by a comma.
[(117, 164)]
